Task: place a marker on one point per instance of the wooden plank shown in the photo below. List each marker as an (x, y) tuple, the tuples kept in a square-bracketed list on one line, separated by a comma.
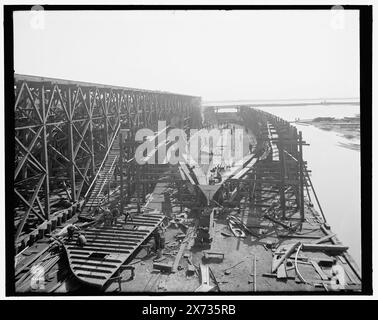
[(323, 239), (351, 276), (299, 236), (342, 259), (281, 272), (319, 270), (327, 232), (186, 172), (277, 222), (178, 256), (182, 174), (30, 261), (280, 260), (205, 280), (274, 275), (324, 247), (353, 265)]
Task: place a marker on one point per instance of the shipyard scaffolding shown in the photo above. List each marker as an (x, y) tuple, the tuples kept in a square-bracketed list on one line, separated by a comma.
[(92, 213)]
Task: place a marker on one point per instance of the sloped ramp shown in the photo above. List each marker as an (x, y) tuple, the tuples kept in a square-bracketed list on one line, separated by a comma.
[(108, 247)]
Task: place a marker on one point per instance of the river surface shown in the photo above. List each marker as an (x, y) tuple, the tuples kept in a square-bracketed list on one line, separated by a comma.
[(335, 171)]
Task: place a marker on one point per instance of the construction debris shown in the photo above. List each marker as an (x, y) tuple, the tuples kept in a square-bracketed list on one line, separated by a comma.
[(165, 267), (278, 260), (208, 255)]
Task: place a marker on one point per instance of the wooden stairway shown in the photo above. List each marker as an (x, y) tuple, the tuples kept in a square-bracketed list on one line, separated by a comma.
[(97, 194)]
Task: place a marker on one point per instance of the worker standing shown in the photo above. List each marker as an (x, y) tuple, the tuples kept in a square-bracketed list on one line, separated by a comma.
[(218, 175), (81, 240), (115, 214), (127, 215), (159, 240), (71, 231), (108, 217)]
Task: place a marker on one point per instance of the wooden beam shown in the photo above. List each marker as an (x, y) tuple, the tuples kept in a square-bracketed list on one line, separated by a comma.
[(319, 270), (35, 194), (178, 256), (281, 259), (324, 247), (323, 239)]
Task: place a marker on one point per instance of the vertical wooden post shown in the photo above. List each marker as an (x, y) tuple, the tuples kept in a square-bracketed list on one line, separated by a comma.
[(129, 171), (106, 127), (295, 153), (71, 147), (120, 165), (282, 177), (253, 200), (109, 178), (180, 195), (45, 155), (137, 186), (91, 144), (301, 176), (145, 176)]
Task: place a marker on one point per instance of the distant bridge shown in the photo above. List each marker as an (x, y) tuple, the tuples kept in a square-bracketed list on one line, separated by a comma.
[(280, 103)]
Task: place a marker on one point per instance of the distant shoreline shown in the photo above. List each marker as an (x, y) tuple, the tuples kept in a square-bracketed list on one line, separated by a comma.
[(347, 127), (281, 103)]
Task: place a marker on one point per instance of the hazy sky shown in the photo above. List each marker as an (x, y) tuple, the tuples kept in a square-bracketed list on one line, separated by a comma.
[(214, 54)]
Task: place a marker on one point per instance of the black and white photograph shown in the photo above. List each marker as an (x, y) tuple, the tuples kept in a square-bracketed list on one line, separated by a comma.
[(187, 151)]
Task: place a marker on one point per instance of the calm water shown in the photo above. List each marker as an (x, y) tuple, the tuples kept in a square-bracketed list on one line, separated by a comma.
[(335, 171)]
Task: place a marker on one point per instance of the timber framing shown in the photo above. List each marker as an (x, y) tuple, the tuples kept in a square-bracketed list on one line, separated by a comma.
[(63, 132)]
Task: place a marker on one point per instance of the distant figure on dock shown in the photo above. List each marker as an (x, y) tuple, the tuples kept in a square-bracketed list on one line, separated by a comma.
[(108, 217), (127, 215), (218, 175), (211, 178), (115, 215), (211, 154)]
